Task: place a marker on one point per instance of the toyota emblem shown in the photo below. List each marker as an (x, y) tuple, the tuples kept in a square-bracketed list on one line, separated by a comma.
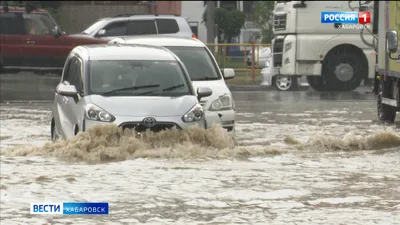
[(149, 121)]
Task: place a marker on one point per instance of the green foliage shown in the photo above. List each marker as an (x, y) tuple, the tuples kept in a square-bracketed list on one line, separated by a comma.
[(263, 19), (229, 22)]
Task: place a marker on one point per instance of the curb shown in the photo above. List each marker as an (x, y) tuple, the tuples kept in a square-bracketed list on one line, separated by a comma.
[(235, 87)]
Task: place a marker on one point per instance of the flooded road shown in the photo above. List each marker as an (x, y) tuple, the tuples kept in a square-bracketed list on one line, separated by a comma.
[(297, 158)]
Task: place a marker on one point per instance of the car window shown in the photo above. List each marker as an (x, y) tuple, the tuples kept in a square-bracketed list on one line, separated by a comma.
[(167, 26), (116, 29), (197, 61), (74, 74), (39, 24), (141, 27), (11, 24), (108, 75)]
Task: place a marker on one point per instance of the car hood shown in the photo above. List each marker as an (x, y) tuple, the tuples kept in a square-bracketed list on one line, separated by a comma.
[(157, 106), (218, 88), (81, 40)]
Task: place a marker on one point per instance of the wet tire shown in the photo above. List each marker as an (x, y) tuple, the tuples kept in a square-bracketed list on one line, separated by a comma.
[(54, 132), (337, 67), (291, 83), (316, 83), (386, 113)]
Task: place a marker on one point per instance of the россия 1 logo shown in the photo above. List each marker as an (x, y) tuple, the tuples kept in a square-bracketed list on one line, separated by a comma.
[(346, 17)]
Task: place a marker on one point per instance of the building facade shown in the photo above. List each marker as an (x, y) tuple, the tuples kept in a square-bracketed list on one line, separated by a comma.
[(194, 10)]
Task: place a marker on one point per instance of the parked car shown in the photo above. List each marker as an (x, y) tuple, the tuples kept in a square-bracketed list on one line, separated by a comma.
[(204, 72), (136, 87), (131, 25), (262, 54), (281, 83), (32, 40)]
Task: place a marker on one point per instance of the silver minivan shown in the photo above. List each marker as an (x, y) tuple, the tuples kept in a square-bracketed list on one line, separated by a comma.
[(136, 87), (134, 25)]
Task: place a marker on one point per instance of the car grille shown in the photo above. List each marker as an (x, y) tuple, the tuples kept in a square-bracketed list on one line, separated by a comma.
[(280, 22), (139, 127), (278, 52)]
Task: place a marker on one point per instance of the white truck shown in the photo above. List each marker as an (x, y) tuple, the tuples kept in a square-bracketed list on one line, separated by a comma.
[(331, 58), (387, 79)]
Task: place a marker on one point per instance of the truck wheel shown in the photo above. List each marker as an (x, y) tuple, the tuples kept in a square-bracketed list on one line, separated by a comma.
[(344, 69), (285, 83), (316, 83), (386, 113)]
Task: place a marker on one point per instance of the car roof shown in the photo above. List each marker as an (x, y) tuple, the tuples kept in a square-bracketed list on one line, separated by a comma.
[(124, 52), (21, 9), (160, 40), (142, 16)]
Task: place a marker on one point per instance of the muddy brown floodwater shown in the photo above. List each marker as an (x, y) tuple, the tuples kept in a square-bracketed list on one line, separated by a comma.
[(296, 158)]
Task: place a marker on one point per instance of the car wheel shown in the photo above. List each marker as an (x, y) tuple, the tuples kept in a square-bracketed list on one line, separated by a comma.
[(54, 132), (285, 83)]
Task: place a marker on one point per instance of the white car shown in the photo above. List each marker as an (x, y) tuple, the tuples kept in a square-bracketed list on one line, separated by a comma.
[(262, 54), (281, 83), (203, 71)]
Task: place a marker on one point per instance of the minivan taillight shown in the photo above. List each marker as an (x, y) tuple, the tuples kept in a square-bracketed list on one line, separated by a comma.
[(194, 36)]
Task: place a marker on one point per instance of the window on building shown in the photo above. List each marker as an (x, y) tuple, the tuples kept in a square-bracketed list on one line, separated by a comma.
[(228, 4)]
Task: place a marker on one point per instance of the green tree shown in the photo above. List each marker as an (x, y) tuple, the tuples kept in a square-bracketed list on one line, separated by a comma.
[(263, 15), (229, 23)]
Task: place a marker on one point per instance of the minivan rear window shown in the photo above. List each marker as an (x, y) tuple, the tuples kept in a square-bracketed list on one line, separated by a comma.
[(167, 26), (141, 27)]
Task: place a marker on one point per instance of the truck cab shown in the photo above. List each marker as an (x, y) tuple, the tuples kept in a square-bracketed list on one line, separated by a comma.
[(333, 59)]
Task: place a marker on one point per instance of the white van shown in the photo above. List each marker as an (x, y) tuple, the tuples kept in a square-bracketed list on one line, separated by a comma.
[(204, 72)]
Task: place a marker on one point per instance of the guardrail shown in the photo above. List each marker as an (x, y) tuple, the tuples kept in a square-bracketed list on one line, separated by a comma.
[(238, 57)]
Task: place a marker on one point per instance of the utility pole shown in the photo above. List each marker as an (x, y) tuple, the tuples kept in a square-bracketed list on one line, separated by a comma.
[(210, 24)]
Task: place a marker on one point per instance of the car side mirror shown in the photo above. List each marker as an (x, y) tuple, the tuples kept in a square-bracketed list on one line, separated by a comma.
[(57, 32), (228, 73), (101, 32), (391, 41), (203, 92), (67, 90)]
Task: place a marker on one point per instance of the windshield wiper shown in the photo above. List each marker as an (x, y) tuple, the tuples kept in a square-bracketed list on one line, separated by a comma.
[(165, 89), (207, 78), (130, 89), (173, 87)]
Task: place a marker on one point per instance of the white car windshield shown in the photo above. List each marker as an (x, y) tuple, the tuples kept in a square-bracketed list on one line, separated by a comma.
[(198, 62), (137, 77)]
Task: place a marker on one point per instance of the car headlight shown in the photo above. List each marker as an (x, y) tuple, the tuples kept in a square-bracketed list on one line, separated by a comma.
[(93, 112), (194, 114), (224, 102), (288, 46)]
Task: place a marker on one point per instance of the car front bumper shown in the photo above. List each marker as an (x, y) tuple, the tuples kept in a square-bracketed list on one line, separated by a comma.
[(162, 123), (225, 118)]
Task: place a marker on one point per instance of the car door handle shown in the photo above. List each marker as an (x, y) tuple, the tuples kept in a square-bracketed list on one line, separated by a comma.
[(30, 42), (65, 100)]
